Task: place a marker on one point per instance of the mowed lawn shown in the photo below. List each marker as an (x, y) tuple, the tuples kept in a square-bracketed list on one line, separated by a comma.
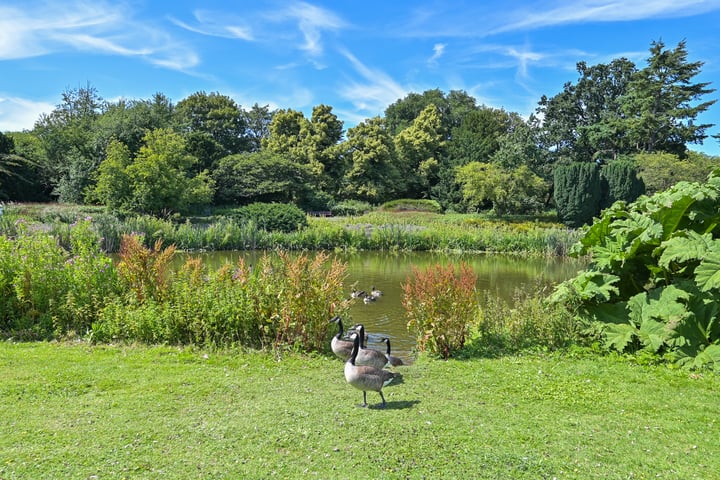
[(80, 411)]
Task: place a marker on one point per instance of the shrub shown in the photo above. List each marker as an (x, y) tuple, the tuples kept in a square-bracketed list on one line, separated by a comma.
[(577, 193), (350, 208), (527, 321), (620, 181), (653, 283), (273, 216), (412, 205), (442, 307)]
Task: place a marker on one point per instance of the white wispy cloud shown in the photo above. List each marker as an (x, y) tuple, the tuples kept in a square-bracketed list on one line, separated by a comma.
[(312, 21), (446, 20), (376, 92), (17, 114), (438, 51), (217, 24), (585, 11), (98, 27)]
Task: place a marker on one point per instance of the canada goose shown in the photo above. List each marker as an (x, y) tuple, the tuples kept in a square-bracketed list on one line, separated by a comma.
[(369, 299), (341, 348), (393, 360), (368, 356), (364, 377), (374, 292)]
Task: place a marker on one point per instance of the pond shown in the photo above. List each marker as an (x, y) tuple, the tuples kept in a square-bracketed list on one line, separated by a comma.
[(386, 271)]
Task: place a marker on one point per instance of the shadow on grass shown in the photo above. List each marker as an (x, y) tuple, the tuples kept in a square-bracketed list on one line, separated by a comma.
[(396, 405)]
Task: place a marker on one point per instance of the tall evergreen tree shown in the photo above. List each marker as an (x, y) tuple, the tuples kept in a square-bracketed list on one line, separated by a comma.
[(662, 103)]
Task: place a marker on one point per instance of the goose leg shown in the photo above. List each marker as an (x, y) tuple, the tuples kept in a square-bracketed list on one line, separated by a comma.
[(364, 404), (383, 400)]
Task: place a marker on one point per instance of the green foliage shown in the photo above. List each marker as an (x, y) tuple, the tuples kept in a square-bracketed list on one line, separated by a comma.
[(660, 171), (159, 179), (216, 126), (653, 283), (349, 208), (283, 302), (411, 205), (258, 177), (373, 174), (273, 216), (418, 149), (526, 322), (585, 118), (577, 193), (620, 181), (442, 307), (662, 103), (48, 291), (510, 191)]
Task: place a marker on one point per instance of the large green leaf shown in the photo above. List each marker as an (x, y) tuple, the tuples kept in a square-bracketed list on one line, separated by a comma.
[(653, 334), (609, 313), (708, 356), (707, 274), (682, 248), (619, 336), (587, 286)]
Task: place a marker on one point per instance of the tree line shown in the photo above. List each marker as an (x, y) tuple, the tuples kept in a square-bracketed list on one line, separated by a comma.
[(154, 156)]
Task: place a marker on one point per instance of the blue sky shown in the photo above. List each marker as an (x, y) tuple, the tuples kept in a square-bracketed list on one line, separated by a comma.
[(357, 56)]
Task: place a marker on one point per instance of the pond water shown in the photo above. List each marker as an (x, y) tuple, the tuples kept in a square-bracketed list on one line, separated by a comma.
[(498, 274)]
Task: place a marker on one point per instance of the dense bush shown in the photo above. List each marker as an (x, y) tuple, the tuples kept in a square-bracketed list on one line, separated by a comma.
[(653, 284), (442, 307), (412, 205), (620, 181), (283, 217), (577, 193), (524, 322), (47, 292), (350, 208)]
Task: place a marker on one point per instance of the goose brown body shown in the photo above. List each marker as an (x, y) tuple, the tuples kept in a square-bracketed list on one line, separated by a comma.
[(393, 360), (368, 356), (363, 377), (341, 348)]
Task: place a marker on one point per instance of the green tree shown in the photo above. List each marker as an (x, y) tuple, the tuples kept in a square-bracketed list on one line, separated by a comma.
[(261, 176), (113, 188), (373, 175), (662, 103), (584, 120), (577, 193), (67, 137), (129, 120), (257, 121), (452, 108), (162, 176), (418, 149), (620, 181), (287, 135), (660, 171), (478, 136), (214, 127), (509, 191)]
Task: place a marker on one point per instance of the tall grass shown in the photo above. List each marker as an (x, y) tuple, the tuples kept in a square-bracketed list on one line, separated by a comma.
[(48, 291), (402, 231), (526, 322)]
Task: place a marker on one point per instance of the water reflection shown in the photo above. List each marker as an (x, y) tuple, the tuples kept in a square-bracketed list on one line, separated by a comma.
[(498, 274)]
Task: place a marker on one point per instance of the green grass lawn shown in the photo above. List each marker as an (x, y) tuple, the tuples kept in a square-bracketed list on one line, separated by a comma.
[(76, 411)]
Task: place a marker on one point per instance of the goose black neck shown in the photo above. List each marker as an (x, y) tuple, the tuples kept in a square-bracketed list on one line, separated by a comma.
[(356, 347), (361, 333), (387, 340)]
